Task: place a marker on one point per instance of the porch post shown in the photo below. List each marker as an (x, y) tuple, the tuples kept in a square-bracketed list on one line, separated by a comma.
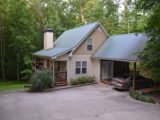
[(53, 72), (45, 63), (134, 75)]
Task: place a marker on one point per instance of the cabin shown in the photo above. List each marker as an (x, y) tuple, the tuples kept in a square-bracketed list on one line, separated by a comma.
[(88, 50)]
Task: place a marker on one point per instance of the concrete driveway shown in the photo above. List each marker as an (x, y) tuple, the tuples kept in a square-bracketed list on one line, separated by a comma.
[(93, 102)]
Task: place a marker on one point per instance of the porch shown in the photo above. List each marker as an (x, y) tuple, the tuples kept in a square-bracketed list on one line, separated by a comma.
[(58, 69), (60, 73)]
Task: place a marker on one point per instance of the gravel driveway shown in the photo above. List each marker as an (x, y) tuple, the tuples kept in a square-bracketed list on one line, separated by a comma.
[(93, 102)]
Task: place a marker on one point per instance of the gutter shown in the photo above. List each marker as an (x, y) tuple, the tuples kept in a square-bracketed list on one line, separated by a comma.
[(123, 60)]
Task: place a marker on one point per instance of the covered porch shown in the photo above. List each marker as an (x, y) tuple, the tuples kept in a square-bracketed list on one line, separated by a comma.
[(60, 72), (58, 69)]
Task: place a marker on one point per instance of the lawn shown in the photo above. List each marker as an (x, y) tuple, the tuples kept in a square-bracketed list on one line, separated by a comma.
[(11, 85)]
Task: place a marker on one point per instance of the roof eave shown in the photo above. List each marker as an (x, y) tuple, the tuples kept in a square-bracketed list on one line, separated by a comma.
[(40, 56), (114, 59), (53, 57)]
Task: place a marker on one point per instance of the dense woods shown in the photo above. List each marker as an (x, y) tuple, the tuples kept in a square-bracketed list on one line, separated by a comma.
[(22, 23), (150, 57)]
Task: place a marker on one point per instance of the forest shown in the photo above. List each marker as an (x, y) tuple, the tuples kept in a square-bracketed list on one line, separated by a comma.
[(22, 23)]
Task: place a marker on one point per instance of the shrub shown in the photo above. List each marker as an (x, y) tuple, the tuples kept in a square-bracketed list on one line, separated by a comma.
[(41, 80), (134, 95), (149, 99), (140, 97), (82, 80)]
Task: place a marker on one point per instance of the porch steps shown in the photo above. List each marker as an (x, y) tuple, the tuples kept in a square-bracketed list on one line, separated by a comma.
[(61, 83)]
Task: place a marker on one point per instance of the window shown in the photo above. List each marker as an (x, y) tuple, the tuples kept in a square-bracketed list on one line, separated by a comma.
[(89, 44), (81, 67), (84, 67), (78, 67)]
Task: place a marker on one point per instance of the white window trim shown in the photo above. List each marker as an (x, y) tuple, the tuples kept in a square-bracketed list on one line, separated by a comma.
[(77, 67), (87, 44), (80, 67), (83, 67)]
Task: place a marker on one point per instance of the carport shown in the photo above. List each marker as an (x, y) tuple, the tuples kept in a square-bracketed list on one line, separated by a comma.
[(117, 52)]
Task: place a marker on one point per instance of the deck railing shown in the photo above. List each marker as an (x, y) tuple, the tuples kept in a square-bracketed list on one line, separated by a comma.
[(60, 76)]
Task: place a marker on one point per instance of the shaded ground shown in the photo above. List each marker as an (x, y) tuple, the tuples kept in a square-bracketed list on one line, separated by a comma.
[(151, 92), (155, 95), (93, 102)]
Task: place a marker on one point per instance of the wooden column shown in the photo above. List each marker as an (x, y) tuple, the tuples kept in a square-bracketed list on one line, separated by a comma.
[(53, 69), (45, 63), (134, 76)]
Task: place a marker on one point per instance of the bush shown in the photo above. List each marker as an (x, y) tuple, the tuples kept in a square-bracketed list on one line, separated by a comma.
[(149, 99), (134, 95), (140, 97), (83, 80), (41, 80)]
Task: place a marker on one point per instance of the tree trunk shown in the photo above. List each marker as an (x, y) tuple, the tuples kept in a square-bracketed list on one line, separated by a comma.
[(82, 12), (2, 46), (17, 64), (127, 15), (35, 5)]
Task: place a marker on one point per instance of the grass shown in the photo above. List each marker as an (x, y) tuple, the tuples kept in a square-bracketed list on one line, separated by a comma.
[(11, 85)]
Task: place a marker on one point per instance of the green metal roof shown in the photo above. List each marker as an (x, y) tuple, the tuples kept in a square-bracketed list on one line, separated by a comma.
[(122, 47), (68, 40), (73, 37), (51, 52)]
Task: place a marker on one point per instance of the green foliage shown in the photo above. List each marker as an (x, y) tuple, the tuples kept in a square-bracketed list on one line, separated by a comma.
[(150, 57), (149, 99), (26, 73), (134, 95), (140, 97), (83, 80), (40, 80), (23, 23)]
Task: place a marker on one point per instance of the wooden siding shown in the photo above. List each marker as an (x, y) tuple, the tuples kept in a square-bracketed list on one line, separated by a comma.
[(98, 36)]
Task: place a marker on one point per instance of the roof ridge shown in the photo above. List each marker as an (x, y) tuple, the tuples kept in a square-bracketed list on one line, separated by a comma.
[(82, 26)]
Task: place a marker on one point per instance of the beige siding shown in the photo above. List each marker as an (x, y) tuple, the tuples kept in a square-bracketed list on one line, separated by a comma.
[(81, 54), (62, 58), (93, 67), (98, 36)]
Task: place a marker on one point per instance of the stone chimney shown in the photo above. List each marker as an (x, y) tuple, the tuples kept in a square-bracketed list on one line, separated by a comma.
[(48, 38)]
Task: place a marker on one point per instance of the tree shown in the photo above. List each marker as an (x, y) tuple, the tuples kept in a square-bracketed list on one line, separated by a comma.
[(3, 17), (22, 23), (150, 57)]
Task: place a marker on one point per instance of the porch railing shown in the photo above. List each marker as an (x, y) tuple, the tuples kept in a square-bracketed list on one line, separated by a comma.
[(60, 76)]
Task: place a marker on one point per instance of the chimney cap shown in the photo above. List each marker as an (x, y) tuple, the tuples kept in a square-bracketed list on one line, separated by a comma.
[(49, 30)]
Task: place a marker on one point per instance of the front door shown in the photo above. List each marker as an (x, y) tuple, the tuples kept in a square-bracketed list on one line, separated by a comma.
[(106, 70)]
